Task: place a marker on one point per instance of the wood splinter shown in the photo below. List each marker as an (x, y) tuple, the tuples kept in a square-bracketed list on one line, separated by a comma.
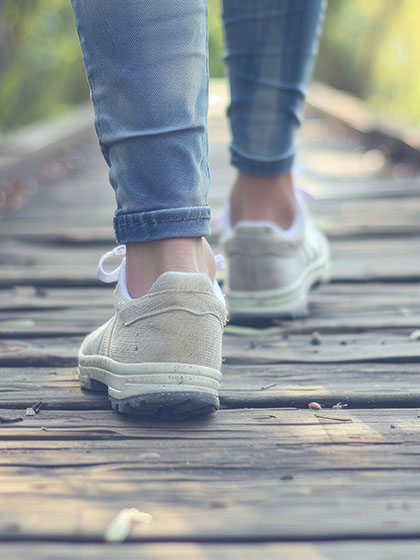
[(335, 419)]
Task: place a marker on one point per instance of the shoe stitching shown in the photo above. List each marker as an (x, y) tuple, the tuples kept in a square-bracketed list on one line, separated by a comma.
[(158, 312)]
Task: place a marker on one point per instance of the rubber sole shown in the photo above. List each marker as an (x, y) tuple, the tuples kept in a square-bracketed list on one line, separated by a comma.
[(153, 390), (290, 302), (168, 405)]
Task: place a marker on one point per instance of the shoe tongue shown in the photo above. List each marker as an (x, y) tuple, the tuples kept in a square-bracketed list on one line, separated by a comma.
[(182, 281)]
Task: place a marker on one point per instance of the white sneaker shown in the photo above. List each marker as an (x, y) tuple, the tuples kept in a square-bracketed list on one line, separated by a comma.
[(160, 355), (272, 270)]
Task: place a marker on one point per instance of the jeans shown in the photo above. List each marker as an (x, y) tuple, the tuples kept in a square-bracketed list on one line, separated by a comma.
[(147, 67)]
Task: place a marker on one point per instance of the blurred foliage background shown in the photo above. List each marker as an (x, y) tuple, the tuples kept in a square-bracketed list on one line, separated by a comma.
[(369, 48)]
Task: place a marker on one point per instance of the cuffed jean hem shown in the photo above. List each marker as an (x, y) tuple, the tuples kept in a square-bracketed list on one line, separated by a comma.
[(260, 168), (162, 224)]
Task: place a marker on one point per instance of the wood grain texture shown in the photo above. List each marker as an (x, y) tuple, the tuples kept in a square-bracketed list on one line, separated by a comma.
[(352, 261), (292, 385), (338, 477), (271, 347), (374, 550), (27, 311)]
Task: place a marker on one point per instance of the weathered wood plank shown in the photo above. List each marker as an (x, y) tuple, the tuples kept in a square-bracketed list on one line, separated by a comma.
[(64, 322), (193, 512), (57, 388), (271, 347), (327, 299), (321, 426), (306, 476), (344, 308), (30, 298), (363, 386), (374, 550), (231, 440), (370, 260), (340, 218), (351, 262), (39, 352), (355, 216), (65, 234), (333, 308), (158, 458)]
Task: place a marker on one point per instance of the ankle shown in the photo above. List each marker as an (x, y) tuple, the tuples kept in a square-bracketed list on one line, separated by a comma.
[(146, 261), (264, 199)]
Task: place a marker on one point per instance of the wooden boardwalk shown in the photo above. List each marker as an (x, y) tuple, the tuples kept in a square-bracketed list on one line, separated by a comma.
[(265, 477)]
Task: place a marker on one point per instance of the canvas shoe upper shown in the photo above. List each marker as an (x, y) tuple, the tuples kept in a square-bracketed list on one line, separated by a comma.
[(272, 270), (160, 354)]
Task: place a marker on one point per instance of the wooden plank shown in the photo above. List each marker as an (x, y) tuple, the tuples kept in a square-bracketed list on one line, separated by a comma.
[(368, 209), (269, 347), (357, 217), (332, 426), (369, 261), (344, 308), (169, 551), (373, 188), (274, 348), (304, 454), (306, 476), (211, 512), (55, 323), (30, 298), (39, 352), (374, 550), (344, 298), (339, 220), (360, 386), (48, 276), (66, 234), (324, 319), (57, 388), (351, 262), (372, 228)]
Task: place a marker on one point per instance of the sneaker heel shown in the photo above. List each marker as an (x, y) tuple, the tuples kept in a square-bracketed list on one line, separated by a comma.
[(91, 384)]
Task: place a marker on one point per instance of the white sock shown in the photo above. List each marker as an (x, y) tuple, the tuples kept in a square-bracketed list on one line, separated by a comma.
[(295, 225), (122, 281), (289, 232)]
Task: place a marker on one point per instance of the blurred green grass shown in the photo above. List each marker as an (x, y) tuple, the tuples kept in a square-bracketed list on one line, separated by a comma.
[(368, 48)]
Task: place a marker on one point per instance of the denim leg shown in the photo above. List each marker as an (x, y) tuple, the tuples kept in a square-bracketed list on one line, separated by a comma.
[(270, 49), (147, 67)]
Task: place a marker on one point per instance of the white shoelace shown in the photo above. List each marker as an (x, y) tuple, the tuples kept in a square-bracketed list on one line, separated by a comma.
[(119, 251), (112, 276)]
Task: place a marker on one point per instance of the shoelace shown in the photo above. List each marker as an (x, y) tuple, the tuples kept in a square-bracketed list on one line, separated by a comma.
[(119, 251)]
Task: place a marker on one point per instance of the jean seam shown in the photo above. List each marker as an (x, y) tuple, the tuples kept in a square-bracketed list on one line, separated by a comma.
[(264, 164), (146, 223), (207, 97), (254, 161), (89, 76)]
